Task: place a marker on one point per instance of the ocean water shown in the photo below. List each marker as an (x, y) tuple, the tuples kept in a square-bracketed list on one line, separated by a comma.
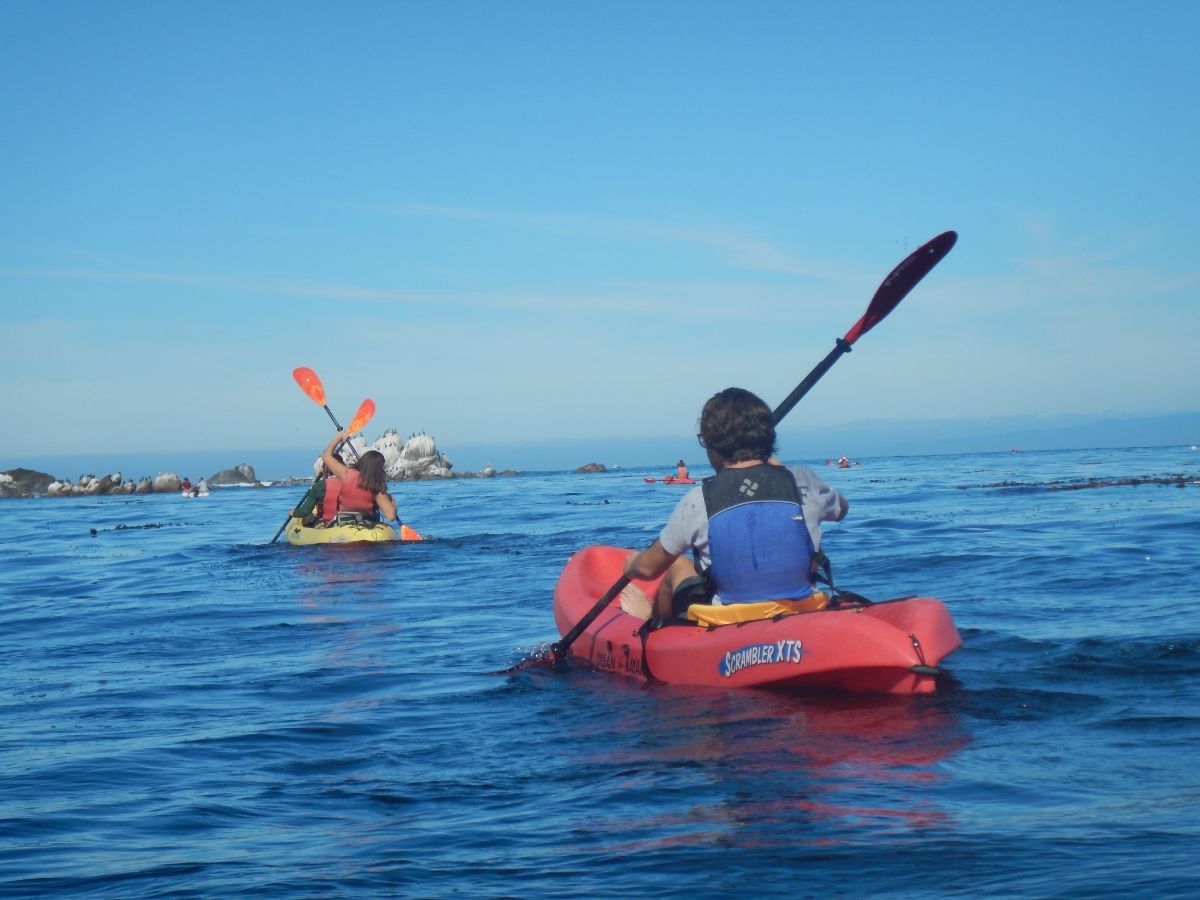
[(189, 710)]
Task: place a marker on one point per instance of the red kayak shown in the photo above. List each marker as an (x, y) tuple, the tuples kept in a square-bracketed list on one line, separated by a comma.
[(892, 646), (671, 479)]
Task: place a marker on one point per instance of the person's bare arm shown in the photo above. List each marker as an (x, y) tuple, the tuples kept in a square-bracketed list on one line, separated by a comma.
[(332, 463), (386, 504)]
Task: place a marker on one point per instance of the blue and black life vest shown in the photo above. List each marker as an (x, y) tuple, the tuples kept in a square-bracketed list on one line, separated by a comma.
[(757, 538)]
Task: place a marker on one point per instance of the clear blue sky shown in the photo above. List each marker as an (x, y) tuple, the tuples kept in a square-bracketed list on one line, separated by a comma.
[(510, 221)]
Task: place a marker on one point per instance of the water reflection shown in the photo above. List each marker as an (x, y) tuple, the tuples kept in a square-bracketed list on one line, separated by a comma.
[(337, 574), (764, 770), (342, 591)]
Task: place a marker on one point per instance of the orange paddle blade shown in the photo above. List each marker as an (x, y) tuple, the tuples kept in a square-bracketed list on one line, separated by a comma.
[(409, 534), (362, 417), (310, 384)]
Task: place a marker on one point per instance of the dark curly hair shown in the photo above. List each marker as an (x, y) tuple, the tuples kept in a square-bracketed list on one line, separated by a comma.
[(738, 425), (372, 473)]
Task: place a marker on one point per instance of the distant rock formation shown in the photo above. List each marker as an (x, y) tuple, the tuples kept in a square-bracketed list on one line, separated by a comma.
[(167, 484), (27, 483), (24, 483), (412, 460), (415, 459), (591, 467), (238, 475)]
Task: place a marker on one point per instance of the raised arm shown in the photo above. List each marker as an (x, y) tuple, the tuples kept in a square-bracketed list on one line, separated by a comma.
[(332, 463)]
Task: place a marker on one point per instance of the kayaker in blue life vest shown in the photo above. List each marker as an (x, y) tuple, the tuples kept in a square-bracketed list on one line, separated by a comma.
[(753, 527)]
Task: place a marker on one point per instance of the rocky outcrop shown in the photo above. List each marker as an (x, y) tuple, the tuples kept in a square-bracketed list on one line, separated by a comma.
[(591, 467), (416, 459), (91, 485), (238, 475), (24, 483), (27, 483), (412, 460), (168, 483)]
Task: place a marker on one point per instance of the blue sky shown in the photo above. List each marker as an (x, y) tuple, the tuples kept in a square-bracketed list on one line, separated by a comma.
[(524, 221)]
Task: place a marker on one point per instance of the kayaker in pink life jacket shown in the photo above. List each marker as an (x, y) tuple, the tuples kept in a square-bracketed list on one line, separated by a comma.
[(754, 527), (681, 470), (329, 500), (320, 503), (363, 485)]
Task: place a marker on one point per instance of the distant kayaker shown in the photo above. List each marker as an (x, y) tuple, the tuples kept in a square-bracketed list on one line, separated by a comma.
[(363, 485), (753, 527), (187, 485), (202, 486), (681, 470)]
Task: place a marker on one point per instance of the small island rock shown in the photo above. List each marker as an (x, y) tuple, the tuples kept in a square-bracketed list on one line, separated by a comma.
[(242, 474)]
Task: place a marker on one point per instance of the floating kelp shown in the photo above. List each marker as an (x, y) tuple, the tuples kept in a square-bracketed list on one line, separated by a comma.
[(1079, 484), (128, 528)]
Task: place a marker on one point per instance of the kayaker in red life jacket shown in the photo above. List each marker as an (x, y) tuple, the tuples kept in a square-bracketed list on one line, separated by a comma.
[(681, 470), (753, 508), (363, 485), (186, 485)]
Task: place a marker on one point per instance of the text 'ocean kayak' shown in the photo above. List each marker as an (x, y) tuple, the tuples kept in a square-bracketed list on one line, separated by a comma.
[(892, 646)]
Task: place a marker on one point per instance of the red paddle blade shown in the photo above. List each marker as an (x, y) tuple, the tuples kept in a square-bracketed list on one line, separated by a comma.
[(362, 417), (902, 279), (310, 384)]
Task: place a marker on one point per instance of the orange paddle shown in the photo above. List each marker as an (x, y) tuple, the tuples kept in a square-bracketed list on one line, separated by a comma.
[(311, 384)]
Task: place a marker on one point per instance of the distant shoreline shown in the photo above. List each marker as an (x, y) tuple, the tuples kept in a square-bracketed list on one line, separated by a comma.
[(798, 441)]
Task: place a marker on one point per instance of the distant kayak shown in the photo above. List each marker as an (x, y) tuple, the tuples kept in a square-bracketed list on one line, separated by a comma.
[(671, 479), (190, 494), (891, 647), (842, 463), (378, 532)]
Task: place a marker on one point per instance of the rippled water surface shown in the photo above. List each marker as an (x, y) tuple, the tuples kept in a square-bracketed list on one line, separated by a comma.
[(188, 709)]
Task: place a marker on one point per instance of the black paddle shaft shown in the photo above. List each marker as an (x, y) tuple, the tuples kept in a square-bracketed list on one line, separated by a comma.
[(560, 647), (814, 376), (339, 428)]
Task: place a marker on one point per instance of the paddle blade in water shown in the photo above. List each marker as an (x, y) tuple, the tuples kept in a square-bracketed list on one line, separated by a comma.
[(544, 658), (900, 281), (310, 384), (362, 417)]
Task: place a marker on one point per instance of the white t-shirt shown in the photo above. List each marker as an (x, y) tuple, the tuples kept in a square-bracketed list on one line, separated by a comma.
[(688, 526)]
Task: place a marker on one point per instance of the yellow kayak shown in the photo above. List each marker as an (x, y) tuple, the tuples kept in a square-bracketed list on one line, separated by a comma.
[(300, 536)]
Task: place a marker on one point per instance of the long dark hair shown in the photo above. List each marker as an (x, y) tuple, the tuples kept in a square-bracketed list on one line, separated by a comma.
[(738, 425), (372, 473)]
